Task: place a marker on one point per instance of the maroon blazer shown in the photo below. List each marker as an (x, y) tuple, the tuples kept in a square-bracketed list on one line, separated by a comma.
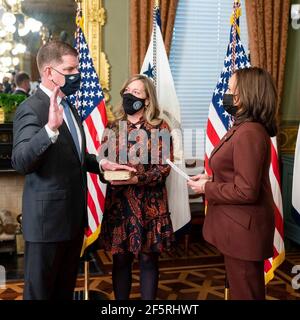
[(240, 213)]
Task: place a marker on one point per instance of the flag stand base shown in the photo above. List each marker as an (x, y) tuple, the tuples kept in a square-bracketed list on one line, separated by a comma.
[(87, 294), (226, 291)]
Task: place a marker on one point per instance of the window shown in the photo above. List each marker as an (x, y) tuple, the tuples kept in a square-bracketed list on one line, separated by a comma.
[(199, 45)]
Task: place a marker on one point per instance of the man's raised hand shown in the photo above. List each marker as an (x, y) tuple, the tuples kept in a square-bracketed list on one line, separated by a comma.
[(55, 118)]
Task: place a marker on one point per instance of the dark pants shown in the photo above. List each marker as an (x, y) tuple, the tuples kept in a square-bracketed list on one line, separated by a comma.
[(50, 269), (246, 279)]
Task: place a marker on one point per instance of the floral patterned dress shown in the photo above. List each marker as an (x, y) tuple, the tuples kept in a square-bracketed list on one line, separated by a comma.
[(136, 217)]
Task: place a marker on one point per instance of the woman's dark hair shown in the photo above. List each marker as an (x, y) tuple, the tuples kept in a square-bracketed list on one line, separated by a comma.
[(257, 98)]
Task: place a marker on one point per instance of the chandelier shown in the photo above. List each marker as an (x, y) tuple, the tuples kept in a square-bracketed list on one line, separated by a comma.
[(14, 27)]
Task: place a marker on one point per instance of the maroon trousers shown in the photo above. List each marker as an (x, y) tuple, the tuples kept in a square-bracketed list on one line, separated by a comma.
[(246, 279)]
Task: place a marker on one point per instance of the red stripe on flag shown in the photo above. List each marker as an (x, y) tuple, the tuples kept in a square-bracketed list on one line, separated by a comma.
[(93, 132), (100, 196), (274, 161), (267, 266), (88, 232), (278, 222), (102, 111), (212, 134), (207, 167), (92, 208)]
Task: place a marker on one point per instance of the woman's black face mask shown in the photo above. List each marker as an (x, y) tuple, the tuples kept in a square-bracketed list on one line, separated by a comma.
[(228, 104), (132, 104)]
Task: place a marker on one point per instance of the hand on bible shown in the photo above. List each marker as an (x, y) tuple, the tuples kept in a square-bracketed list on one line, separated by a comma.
[(107, 165)]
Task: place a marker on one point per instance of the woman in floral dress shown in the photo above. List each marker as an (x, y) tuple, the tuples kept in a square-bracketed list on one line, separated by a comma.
[(136, 220)]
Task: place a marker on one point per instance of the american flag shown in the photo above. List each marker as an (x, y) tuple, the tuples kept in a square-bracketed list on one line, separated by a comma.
[(90, 103), (219, 121)]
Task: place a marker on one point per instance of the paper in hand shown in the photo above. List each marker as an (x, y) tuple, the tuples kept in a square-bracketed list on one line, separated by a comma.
[(179, 171)]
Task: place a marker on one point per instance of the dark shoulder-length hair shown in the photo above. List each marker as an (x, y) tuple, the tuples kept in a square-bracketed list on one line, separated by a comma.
[(257, 98)]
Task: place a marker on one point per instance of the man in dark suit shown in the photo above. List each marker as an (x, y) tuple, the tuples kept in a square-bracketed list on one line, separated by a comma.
[(49, 148), (23, 84)]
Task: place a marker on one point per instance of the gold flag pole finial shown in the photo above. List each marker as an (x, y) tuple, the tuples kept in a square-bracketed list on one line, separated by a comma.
[(236, 6), (79, 18), (155, 8)]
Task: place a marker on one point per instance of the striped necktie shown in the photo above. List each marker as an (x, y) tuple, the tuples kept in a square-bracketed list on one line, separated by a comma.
[(71, 124)]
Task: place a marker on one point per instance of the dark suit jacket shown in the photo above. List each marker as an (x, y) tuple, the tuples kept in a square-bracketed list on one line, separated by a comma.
[(240, 212), (21, 92), (55, 190)]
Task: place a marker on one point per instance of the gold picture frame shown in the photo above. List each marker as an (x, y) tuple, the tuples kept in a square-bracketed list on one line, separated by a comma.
[(94, 19)]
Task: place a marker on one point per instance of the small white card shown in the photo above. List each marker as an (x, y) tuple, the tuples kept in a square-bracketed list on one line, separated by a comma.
[(179, 171)]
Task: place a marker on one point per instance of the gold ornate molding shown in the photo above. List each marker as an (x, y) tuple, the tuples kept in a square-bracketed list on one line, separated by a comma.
[(94, 17), (287, 138)]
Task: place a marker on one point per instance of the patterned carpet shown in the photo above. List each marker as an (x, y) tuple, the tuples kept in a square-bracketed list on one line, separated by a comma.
[(197, 276)]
